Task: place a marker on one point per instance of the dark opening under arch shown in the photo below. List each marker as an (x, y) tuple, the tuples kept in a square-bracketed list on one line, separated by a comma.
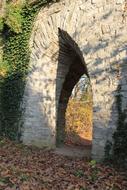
[(71, 66)]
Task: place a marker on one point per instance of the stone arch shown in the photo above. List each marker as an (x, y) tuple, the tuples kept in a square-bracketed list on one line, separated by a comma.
[(99, 28), (71, 66)]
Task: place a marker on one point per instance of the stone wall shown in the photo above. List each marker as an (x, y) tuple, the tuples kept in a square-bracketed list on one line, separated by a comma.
[(99, 28)]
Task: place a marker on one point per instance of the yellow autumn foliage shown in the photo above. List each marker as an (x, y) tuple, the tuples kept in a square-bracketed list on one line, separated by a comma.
[(78, 121)]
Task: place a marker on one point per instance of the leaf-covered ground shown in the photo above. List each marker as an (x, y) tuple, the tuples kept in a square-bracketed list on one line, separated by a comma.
[(23, 168)]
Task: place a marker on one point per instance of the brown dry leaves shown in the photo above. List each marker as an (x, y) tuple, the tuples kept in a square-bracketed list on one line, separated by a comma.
[(23, 168)]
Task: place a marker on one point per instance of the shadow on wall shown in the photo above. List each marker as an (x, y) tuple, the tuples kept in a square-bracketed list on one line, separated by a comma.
[(39, 107)]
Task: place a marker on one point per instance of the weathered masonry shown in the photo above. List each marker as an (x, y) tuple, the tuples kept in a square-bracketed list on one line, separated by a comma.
[(69, 39)]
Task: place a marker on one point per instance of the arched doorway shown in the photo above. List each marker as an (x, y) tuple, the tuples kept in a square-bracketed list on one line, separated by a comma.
[(79, 115), (98, 44), (71, 67)]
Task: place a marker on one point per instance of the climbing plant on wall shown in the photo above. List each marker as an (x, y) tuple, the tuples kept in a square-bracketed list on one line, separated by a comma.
[(116, 152), (16, 31), (120, 136)]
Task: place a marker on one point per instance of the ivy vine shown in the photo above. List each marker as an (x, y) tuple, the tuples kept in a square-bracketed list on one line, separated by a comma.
[(116, 152), (120, 135), (16, 33)]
